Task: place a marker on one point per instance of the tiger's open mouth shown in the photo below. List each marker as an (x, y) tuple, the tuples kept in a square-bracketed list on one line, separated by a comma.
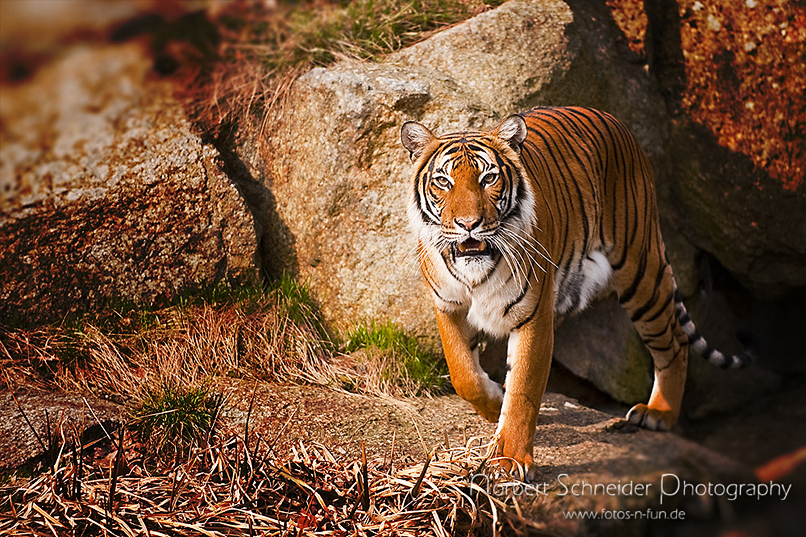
[(471, 247)]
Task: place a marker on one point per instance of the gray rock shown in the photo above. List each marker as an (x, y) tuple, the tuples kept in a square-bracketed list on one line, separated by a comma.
[(727, 206), (341, 178), (29, 412), (602, 346), (503, 57), (107, 194), (341, 183), (529, 52)]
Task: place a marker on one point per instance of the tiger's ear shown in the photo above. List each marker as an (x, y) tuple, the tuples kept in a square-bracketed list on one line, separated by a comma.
[(415, 137), (512, 130)]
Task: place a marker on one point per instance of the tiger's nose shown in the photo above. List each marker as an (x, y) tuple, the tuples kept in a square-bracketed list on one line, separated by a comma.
[(468, 223)]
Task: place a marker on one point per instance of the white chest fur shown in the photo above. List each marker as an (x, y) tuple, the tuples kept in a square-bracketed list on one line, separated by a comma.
[(495, 305), (503, 300)]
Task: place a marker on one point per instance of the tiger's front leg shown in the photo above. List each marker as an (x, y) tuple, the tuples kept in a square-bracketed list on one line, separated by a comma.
[(529, 355), (468, 378)]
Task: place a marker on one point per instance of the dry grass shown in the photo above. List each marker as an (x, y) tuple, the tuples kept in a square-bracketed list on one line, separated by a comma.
[(264, 47), (175, 469), (392, 362), (130, 354), (234, 487), (180, 345)]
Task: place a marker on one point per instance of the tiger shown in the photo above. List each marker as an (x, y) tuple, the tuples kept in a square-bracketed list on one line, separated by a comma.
[(525, 224)]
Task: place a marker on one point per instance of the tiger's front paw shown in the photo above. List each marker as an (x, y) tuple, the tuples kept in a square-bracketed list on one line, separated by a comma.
[(651, 418), (515, 448), (486, 399)]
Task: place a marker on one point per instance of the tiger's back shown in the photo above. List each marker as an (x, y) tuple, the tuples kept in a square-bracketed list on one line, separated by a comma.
[(597, 187)]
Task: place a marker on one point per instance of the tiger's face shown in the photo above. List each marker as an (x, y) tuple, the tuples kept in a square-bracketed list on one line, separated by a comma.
[(471, 201)]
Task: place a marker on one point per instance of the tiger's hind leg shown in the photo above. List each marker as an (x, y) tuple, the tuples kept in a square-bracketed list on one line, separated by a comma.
[(648, 296)]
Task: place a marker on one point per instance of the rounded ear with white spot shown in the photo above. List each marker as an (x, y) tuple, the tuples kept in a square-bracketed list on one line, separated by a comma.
[(512, 130), (415, 137)]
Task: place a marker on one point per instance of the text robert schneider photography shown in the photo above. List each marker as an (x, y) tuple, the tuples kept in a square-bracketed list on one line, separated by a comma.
[(670, 486)]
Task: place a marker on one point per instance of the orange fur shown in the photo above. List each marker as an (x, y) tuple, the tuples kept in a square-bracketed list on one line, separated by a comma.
[(528, 222)]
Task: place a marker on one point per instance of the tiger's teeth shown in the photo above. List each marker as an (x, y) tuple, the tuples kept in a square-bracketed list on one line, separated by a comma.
[(482, 246), (461, 247)]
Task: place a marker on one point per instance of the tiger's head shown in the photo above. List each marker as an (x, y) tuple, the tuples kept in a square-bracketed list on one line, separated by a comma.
[(471, 201)]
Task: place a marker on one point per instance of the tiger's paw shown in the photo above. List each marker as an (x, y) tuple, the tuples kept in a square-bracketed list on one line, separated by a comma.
[(487, 401), (514, 444), (651, 418), (515, 458)]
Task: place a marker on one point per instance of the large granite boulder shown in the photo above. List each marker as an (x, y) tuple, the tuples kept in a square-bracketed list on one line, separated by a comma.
[(106, 193), (341, 179), (753, 224)]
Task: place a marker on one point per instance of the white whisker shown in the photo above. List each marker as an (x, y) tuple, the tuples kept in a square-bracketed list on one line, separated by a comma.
[(525, 245), (529, 240)]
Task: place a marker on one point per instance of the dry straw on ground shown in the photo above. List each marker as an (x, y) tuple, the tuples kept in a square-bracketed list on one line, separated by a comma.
[(231, 487)]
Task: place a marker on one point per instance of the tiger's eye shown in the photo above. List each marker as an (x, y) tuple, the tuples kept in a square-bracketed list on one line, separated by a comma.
[(441, 182), (489, 179)]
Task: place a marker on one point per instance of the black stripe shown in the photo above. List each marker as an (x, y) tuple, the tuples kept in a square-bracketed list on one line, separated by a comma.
[(434, 289), (655, 335), (523, 292), (529, 318), (639, 274), (649, 304), (568, 175), (661, 310), (679, 352), (449, 265), (663, 348), (557, 186), (492, 270)]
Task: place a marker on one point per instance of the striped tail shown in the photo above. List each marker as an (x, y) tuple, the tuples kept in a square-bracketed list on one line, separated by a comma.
[(699, 345)]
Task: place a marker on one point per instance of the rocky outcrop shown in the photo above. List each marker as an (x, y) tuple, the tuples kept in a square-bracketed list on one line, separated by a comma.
[(106, 192), (341, 177), (341, 183), (731, 208)]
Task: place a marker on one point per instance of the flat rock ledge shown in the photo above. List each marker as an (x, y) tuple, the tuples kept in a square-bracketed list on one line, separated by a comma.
[(575, 445)]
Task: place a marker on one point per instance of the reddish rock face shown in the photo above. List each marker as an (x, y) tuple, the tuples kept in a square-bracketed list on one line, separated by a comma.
[(106, 194)]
